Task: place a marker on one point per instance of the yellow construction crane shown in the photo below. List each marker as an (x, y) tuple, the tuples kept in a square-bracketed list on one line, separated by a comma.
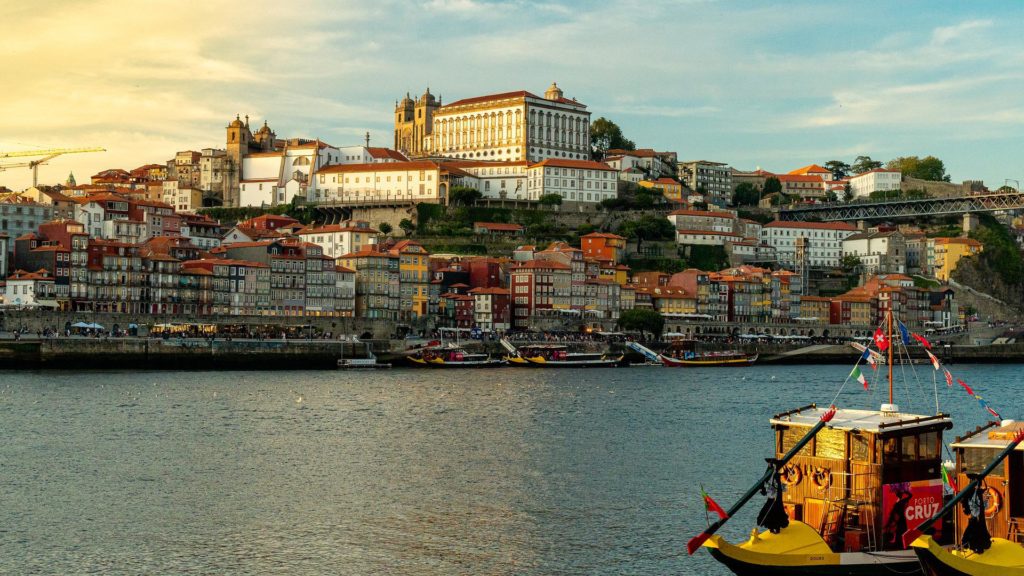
[(48, 155)]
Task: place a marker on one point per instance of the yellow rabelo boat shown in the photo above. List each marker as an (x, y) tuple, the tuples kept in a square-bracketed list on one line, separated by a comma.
[(839, 498), (990, 508)]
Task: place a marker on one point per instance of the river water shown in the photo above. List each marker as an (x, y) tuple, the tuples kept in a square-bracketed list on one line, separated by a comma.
[(425, 472)]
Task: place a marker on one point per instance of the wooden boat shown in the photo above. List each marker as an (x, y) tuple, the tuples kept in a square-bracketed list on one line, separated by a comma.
[(684, 353), (990, 508), (558, 356), (839, 498), (710, 359), (451, 356)]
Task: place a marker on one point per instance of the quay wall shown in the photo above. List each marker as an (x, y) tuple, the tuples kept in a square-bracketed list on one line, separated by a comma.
[(298, 354)]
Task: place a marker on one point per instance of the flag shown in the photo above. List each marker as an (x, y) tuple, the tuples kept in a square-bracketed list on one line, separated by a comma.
[(904, 333), (710, 504), (869, 358), (855, 373), (924, 342), (935, 361), (949, 481), (949, 378), (966, 387), (987, 407), (881, 341)]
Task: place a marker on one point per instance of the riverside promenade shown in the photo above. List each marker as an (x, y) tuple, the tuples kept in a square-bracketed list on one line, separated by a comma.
[(317, 354)]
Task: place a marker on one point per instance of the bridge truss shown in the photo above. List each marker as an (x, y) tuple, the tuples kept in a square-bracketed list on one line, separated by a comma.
[(895, 209)]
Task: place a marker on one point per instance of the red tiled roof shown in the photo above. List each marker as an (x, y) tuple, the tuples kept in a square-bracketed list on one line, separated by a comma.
[(412, 165), (490, 97), (495, 291), (603, 235), (335, 228), (386, 153)]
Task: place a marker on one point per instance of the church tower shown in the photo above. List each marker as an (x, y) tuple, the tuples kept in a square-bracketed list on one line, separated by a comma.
[(553, 92), (414, 122), (239, 139)]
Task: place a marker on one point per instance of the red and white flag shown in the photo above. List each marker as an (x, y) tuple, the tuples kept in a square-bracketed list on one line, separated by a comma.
[(881, 340), (935, 361)]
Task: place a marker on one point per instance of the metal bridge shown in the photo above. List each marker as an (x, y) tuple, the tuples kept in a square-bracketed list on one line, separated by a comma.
[(893, 209)]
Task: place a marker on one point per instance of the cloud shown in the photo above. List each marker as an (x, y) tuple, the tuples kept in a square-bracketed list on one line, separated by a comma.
[(945, 34)]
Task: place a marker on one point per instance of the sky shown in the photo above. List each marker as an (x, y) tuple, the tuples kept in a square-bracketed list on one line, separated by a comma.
[(754, 84)]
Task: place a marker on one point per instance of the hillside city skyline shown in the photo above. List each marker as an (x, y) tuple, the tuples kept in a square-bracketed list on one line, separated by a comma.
[(924, 82)]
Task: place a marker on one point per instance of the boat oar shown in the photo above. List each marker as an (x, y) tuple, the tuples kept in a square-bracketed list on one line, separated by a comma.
[(699, 539), (915, 533)]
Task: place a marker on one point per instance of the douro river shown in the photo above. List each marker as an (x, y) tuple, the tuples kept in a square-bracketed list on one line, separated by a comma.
[(420, 472)]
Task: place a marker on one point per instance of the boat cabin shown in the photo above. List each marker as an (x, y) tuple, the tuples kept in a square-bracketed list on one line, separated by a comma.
[(865, 476), (1004, 492)]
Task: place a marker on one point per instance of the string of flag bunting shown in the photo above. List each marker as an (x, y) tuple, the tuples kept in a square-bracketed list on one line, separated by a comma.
[(881, 341)]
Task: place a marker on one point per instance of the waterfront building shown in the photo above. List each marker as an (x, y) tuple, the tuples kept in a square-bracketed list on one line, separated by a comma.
[(321, 278), (749, 292), (863, 184), (572, 257), (539, 285), (714, 179), (671, 302), (344, 291), (30, 289), (802, 244), (240, 287), (160, 283), (510, 126), (602, 298), (491, 308), (196, 290), (115, 277), (378, 284), (583, 181), (414, 278), (288, 271)]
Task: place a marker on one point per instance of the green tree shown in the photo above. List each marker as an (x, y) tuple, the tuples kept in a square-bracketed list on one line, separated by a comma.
[(407, 226), (550, 200), (746, 194), (838, 168), (864, 164), (642, 320), (648, 227), (831, 196), (851, 263), (927, 168), (385, 228), (464, 195), (606, 135), (771, 186), (847, 193)]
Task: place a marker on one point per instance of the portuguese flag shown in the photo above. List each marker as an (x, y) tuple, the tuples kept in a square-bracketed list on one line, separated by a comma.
[(710, 504)]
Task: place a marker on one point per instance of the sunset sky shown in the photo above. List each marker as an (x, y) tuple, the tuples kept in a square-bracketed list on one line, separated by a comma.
[(753, 84)]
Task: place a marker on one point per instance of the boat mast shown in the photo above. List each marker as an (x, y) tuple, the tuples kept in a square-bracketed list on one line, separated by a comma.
[(889, 336)]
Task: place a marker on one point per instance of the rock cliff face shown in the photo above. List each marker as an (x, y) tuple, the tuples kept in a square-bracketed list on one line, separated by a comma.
[(987, 292)]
